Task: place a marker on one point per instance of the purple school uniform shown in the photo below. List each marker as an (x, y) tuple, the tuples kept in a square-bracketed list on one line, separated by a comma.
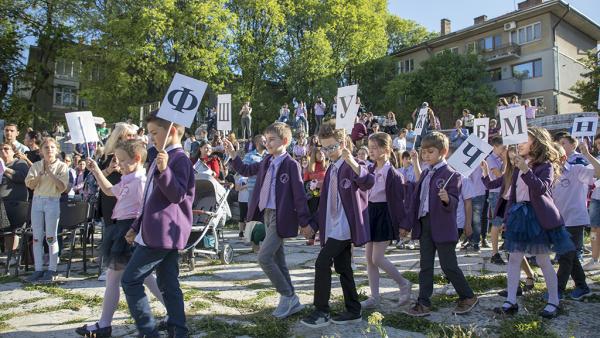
[(397, 197), (539, 180), (291, 203), (166, 218), (443, 216), (353, 191)]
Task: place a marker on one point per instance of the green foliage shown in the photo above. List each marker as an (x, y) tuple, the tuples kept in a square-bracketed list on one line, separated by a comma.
[(525, 326), (587, 88), (449, 82), (405, 33)]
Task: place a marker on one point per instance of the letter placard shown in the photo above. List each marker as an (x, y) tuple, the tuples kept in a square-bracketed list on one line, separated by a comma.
[(81, 127), (513, 125), (469, 155), (421, 118), (182, 100), (224, 112), (346, 108), (481, 128), (584, 127)]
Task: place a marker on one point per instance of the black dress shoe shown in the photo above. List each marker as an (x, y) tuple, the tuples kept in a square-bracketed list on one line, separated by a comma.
[(550, 314), (97, 331), (511, 310)]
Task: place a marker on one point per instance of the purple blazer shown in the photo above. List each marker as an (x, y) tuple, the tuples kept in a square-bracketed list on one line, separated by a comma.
[(166, 219), (539, 180), (291, 203), (353, 190), (442, 216), (501, 210), (398, 199)]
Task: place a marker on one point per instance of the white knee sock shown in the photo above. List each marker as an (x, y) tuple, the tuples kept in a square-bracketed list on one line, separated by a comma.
[(112, 293), (150, 282)]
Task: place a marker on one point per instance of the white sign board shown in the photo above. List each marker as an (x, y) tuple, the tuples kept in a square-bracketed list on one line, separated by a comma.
[(584, 127), (469, 155), (481, 128), (513, 125), (82, 127), (224, 112), (182, 100), (346, 108), (421, 118), (2, 168)]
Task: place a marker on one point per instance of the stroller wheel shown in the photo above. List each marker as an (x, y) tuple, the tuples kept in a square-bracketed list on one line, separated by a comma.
[(226, 255)]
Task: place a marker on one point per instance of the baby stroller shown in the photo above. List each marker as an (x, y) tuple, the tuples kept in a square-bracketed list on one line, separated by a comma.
[(211, 210)]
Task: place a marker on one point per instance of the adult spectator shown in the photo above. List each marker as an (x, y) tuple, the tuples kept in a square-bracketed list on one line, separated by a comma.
[(246, 114), (32, 141), (187, 144), (514, 101), (468, 120), (494, 129), (141, 135), (359, 131), (529, 110), (48, 179), (11, 132), (390, 125), (284, 113), (207, 157), (301, 117), (320, 107), (255, 156), (103, 132), (458, 134), (411, 137), (374, 128), (12, 189)]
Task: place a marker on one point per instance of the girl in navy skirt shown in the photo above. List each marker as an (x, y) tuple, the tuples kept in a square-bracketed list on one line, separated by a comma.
[(387, 214), (534, 225), (116, 253)]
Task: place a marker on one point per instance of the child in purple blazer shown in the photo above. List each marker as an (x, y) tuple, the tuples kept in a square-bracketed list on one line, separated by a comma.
[(342, 219), (387, 215), (279, 201), (534, 225), (436, 198), (161, 230), (116, 252)]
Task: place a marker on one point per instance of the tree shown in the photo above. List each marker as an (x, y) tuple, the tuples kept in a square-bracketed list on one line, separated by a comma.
[(587, 88), (448, 82), (135, 49), (404, 33)]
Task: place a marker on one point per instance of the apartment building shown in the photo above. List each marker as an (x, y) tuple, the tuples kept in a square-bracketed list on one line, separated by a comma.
[(532, 52)]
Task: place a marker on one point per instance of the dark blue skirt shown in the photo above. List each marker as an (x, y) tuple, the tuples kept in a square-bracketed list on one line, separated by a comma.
[(524, 233)]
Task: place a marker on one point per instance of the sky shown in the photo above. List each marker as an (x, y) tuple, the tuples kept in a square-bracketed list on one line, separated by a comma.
[(461, 12)]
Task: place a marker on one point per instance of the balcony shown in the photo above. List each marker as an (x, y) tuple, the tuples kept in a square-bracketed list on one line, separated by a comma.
[(505, 52), (508, 86)]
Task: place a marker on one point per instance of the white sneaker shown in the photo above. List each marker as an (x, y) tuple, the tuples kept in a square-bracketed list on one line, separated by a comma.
[(369, 303), (102, 276), (405, 294), (287, 306), (591, 266)]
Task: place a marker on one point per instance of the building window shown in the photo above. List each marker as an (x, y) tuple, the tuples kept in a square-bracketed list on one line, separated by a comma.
[(406, 66), (489, 42), (65, 96), (471, 47), (454, 50), (495, 74), (528, 70), (527, 33)]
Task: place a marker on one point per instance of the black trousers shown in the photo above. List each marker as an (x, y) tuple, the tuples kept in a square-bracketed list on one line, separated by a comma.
[(568, 263), (339, 254), (448, 262)]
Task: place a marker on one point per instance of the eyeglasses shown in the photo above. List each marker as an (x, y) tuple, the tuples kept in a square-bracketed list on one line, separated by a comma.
[(331, 148)]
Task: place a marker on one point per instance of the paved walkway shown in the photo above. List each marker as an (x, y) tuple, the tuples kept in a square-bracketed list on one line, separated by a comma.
[(236, 300)]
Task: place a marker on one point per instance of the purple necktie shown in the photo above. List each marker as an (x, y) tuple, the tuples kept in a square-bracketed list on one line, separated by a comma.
[(265, 190), (333, 192)]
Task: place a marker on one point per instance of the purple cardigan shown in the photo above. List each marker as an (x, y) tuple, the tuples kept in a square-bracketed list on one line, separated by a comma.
[(291, 203), (166, 219), (398, 199), (353, 190), (442, 216), (539, 180)]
